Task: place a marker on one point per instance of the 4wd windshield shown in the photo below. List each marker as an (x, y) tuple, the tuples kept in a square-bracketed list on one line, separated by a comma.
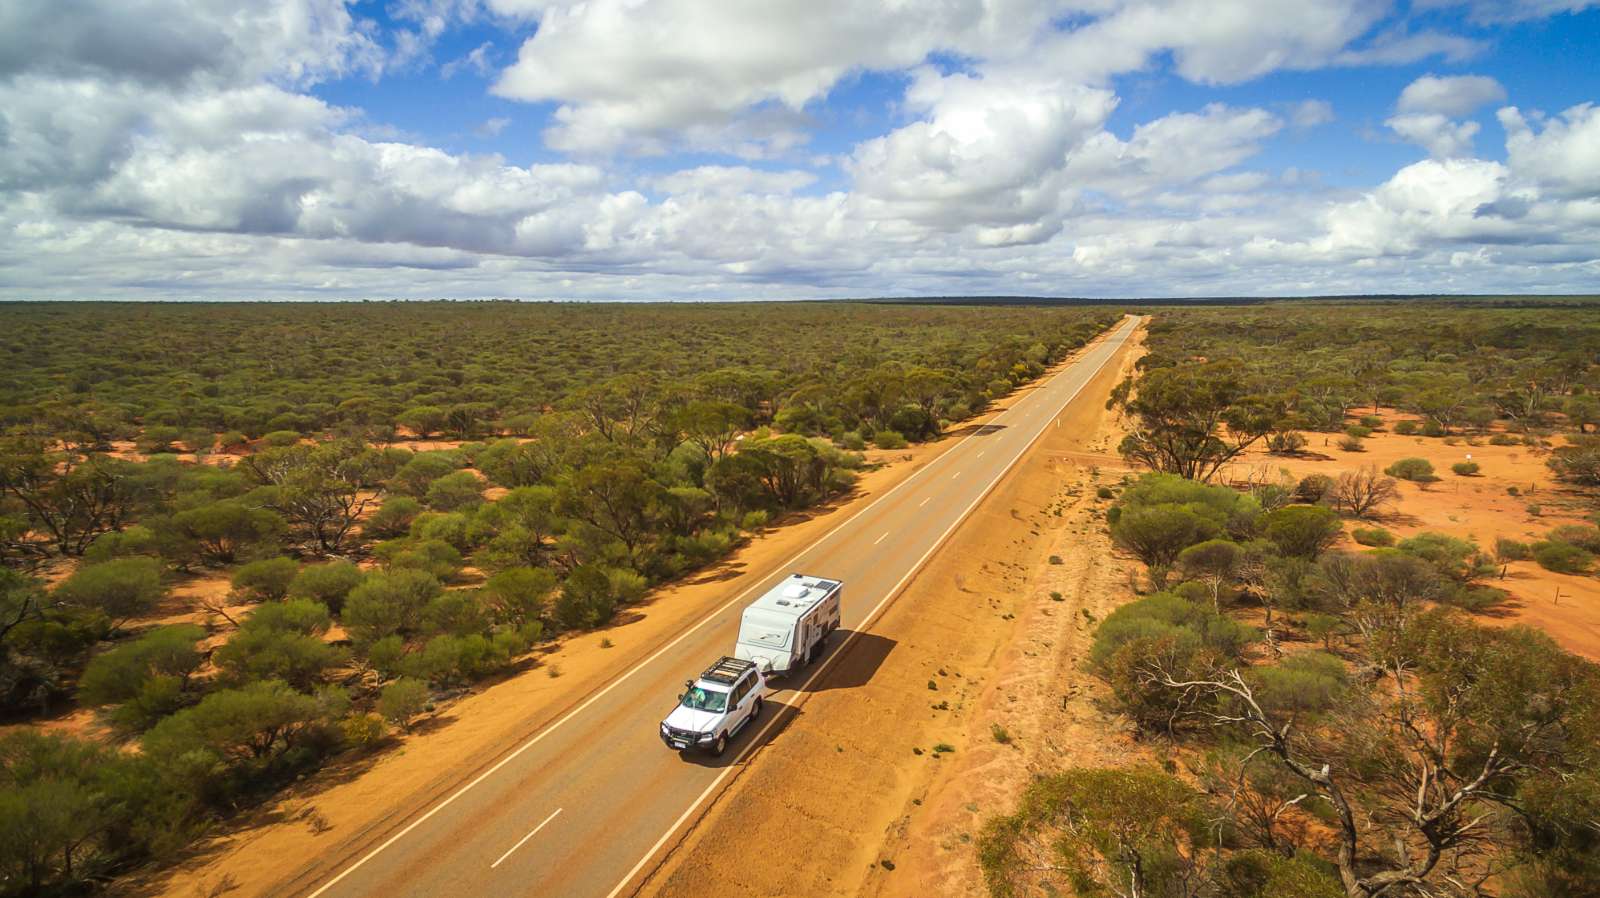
[(701, 699)]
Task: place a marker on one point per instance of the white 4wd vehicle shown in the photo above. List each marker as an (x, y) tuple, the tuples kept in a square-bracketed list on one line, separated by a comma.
[(714, 708)]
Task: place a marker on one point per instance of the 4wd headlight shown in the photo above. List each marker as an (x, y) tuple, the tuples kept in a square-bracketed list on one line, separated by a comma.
[(708, 737)]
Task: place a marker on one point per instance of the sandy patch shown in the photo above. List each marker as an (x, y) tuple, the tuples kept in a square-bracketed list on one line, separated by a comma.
[(1481, 508)]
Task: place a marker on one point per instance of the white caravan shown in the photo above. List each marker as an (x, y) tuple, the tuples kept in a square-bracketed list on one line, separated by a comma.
[(785, 628)]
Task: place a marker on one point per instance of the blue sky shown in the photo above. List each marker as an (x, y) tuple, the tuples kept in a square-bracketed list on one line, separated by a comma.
[(673, 149)]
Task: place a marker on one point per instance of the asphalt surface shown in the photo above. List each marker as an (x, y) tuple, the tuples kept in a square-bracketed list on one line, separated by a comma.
[(583, 808)]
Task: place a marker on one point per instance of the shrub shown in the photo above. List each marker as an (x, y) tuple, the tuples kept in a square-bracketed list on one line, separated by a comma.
[(1301, 531), (1584, 536), (1512, 550), (1454, 557), (754, 521), (248, 729), (518, 595), (1306, 682), (394, 517), (1358, 431), (1433, 429), (852, 440), (1105, 492), (586, 599), (1503, 439), (1167, 615), (1371, 422), (889, 439), (1406, 428), (1286, 443), (460, 489), (1563, 558), (281, 438), (329, 584), (388, 603), (266, 580), (167, 656), (1000, 734), (1312, 488), (271, 653), (1372, 536), (1417, 470), (1464, 468), (1351, 443), (402, 700), (121, 589), (1535, 510)]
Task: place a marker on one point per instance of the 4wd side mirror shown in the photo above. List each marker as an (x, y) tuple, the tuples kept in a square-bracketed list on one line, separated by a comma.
[(688, 685)]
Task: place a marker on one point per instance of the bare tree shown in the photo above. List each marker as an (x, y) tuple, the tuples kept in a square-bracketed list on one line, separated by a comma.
[(1420, 762), (1363, 492)]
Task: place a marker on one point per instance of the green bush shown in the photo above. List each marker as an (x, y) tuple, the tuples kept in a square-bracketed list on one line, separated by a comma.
[(586, 599), (1563, 558), (402, 700), (328, 584), (889, 439), (147, 677), (270, 653), (1372, 536), (388, 603), (1165, 614), (394, 516), (1313, 488), (281, 438), (1452, 556), (1303, 683), (1358, 431), (1301, 531), (256, 732), (852, 440), (518, 595), (265, 580), (121, 589), (460, 489), (1584, 536), (1512, 550), (1406, 428), (1464, 468), (1417, 470), (1351, 443)]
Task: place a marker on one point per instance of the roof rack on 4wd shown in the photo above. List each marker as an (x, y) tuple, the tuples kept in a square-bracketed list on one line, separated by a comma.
[(727, 670)]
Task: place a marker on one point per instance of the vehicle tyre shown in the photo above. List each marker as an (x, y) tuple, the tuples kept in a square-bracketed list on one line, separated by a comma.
[(719, 746), (755, 709)]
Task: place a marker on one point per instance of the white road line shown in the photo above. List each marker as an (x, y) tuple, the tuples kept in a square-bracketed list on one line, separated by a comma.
[(881, 538), (980, 454), (635, 669), (531, 834), (800, 690), (955, 475), (925, 501)]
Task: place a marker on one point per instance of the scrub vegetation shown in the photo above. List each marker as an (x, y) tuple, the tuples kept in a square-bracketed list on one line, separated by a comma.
[(1336, 719), (404, 499)]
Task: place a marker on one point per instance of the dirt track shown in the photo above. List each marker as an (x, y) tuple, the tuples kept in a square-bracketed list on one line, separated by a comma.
[(852, 799)]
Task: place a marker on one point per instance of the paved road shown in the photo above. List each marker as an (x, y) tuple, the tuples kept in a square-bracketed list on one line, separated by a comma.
[(580, 809)]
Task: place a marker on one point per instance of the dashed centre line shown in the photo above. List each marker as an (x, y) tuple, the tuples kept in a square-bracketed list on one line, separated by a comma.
[(881, 538), (531, 833)]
